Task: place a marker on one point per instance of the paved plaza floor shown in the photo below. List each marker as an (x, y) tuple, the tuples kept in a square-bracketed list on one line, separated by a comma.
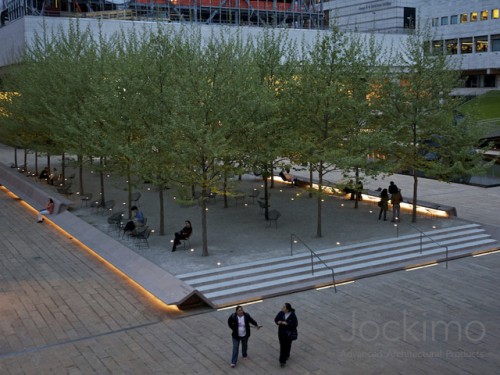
[(65, 312)]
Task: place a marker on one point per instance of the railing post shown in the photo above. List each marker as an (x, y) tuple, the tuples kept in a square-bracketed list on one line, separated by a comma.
[(291, 244), (421, 235), (446, 247), (312, 264)]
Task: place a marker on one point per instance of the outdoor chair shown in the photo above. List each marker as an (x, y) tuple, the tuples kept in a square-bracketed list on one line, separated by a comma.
[(254, 194), (65, 190), (134, 198), (86, 198), (186, 240), (95, 206), (273, 215), (114, 222), (108, 206), (141, 238), (263, 205)]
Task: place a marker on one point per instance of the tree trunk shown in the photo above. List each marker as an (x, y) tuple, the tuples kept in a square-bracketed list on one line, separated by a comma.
[(162, 210), (204, 224), (80, 173), (319, 203), (63, 169), (25, 159), (36, 163), (414, 208), (101, 175), (310, 181), (129, 191), (15, 156)]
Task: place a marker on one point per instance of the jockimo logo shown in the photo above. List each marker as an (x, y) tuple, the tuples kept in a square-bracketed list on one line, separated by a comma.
[(410, 327)]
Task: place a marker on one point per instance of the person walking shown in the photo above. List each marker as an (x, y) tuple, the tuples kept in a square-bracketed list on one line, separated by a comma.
[(239, 322), (396, 200), (48, 210), (287, 331), (383, 204)]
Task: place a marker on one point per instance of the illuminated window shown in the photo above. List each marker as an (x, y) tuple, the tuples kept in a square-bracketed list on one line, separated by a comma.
[(452, 46), (465, 45), (484, 15), (463, 17), (437, 46), (481, 43), (495, 13), (473, 17), (444, 21), (453, 20)]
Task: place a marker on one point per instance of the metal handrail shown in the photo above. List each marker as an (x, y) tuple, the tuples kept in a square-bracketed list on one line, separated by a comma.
[(313, 254), (430, 238)]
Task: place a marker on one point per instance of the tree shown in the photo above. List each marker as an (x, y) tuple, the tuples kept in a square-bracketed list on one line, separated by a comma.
[(317, 105), (423, 138)]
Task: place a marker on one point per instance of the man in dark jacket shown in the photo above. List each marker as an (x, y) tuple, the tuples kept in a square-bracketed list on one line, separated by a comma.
[(239, 322)]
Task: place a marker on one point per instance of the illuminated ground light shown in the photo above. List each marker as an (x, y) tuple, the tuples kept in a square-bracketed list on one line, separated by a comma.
[(334, 286), (152, 298), (241, 304), (486, 253), (420, 267)]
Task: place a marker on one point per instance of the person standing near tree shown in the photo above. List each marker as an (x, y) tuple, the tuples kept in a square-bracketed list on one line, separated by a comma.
[(239, 322), (383, 204), (396, 200), (287, 331)]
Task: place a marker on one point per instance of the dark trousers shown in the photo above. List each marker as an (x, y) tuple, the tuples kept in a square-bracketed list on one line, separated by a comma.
[(285, 347), (178, 237)]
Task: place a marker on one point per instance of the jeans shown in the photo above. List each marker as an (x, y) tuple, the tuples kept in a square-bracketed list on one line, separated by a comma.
[(236, 348), (396, 212)]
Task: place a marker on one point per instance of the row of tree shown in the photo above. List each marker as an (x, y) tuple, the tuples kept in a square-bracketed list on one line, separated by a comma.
[(183, 110)]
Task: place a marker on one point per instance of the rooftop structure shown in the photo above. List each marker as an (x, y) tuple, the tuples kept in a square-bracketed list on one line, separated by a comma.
[(277, 13)]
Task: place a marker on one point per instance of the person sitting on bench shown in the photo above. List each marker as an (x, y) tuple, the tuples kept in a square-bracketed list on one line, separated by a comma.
[(287, 177), (183, 234)]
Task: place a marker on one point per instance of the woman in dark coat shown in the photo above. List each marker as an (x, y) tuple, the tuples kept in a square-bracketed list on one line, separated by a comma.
[(239, 322), (383, 204), (287, 322), (183, 234)]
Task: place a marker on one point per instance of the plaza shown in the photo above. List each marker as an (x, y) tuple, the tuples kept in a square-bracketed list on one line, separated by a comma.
[(65, 312)]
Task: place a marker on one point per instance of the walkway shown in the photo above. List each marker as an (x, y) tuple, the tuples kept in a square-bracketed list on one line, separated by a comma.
[(64, 312)]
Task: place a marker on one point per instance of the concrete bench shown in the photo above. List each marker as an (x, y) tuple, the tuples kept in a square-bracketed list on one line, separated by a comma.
[(374, 195), (28, 190)]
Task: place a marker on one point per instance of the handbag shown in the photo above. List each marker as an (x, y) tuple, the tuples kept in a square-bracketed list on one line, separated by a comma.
[(380, 203), (293, 335)]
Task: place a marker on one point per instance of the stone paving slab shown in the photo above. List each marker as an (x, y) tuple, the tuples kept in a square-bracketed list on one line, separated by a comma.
[(64, 312)]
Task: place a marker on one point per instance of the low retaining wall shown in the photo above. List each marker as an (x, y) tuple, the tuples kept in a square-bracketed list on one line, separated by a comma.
[(160, 283)]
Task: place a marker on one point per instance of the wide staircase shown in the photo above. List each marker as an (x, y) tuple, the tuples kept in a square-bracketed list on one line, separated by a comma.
[(251, 281)]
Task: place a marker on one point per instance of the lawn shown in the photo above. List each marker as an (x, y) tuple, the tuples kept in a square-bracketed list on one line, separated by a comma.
[(484, 107)]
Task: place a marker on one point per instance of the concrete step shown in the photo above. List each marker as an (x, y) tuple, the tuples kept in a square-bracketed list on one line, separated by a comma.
[(271, 277)]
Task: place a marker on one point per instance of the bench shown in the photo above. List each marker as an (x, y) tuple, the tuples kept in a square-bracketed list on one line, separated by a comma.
[(34, 194), (374, 196)]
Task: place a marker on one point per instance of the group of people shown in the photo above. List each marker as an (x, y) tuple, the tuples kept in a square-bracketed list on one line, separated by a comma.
[(392, 194), (240, 322)]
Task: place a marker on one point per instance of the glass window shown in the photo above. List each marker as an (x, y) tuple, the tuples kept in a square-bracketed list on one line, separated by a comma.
[(495, 13), (473, 17), (453, 20), (481, 43), (437, 46), (495, 43), (452, 46), (435, 22), (465, 45), (463, 17), (444, 21), (484, 15)]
